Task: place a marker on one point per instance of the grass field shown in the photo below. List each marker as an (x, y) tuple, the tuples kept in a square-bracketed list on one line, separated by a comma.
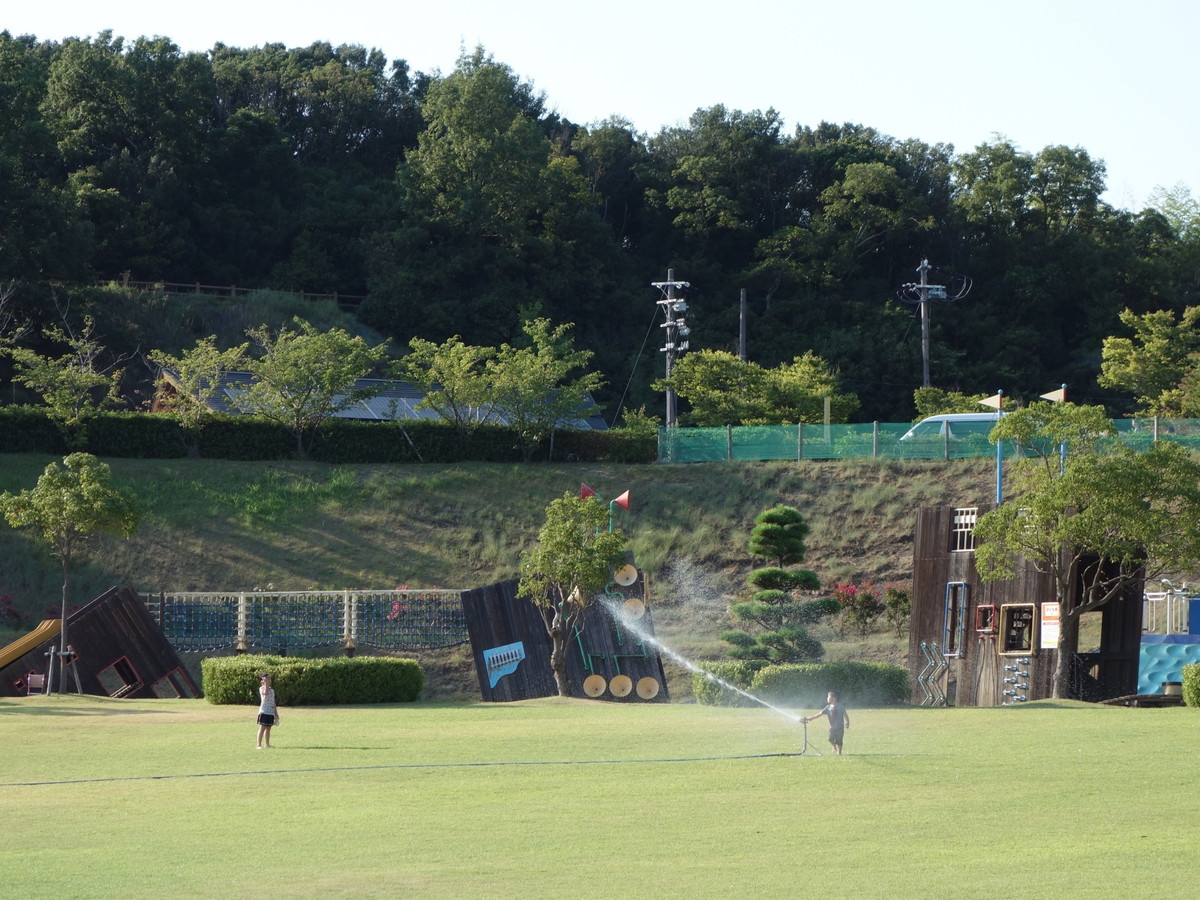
[(556, 798)]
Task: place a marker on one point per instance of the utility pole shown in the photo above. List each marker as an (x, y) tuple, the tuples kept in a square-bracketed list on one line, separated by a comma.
[(921, 293), (677, 331), (742, 327)]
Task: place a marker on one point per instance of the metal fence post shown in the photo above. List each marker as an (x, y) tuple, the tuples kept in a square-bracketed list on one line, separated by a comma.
[(242, 646)]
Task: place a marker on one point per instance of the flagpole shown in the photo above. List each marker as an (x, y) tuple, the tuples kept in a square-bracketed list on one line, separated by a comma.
[(996, 403), (999, 453)]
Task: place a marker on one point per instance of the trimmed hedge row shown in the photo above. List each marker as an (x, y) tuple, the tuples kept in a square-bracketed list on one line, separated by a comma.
[(312, 682), (29, 429), (803, 684), (710, 692), (1191, 684)]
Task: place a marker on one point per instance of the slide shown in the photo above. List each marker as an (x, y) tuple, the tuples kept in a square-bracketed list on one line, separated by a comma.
[(18, 648)]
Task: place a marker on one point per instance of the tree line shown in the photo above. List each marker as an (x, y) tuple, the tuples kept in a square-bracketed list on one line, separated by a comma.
[(461, 205)]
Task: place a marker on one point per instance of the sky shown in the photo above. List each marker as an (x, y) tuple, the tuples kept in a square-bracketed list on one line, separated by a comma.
[(1113, 77)]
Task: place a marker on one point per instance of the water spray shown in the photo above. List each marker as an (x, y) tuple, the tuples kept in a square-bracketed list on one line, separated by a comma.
[(617, 611)]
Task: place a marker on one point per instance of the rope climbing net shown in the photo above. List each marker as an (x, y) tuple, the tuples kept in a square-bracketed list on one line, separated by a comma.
[(282, 621)]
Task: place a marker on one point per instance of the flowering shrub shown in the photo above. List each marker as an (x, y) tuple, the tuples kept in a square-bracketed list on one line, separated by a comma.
[(861, 604)]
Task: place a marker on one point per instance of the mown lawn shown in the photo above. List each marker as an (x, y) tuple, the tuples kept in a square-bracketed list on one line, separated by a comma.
[(556, 798)]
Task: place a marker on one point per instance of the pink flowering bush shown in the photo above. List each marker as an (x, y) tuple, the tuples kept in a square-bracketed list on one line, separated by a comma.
[(861, 604)]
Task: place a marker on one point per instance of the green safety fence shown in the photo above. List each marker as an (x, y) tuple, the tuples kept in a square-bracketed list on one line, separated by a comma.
[(873, 440)]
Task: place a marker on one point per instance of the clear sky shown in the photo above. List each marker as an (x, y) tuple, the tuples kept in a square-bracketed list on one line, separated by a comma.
[(1115, 77)]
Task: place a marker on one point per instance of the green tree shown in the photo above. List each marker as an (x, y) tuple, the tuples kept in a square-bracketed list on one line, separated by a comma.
[(1151, 364), (721, 389), (1104, 521), (197, 374), (639, 422), (304, 376), (1181, 247), (532, 389), (897, 603), (494, 210), (797, 391), (42, 234), (479, 192), (70, 504), (573, 560), (613, 164), (480, 160), (932, 401), (728, 183), (779, 534), (868, 209), (74, 384), (779, 618), (453, 376), (1188, 395), (132, 124)]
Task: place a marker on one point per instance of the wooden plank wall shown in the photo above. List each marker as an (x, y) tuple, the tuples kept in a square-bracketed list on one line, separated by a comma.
[(113, 629), (976, 678), (497, 617)]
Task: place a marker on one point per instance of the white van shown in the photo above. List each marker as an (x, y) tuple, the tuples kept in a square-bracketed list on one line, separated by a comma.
[(953, 425)]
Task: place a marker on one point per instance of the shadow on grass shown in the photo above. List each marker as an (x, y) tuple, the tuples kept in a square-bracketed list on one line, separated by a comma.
[(112, 708), (286, 747)]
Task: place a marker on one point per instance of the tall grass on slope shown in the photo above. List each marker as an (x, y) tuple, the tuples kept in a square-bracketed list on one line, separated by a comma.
[(212, 525)]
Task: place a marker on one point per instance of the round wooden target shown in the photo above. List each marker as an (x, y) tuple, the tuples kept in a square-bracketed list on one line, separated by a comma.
[(594, 685), (625, 576), (647, 688), (621, 685), (634, 608)]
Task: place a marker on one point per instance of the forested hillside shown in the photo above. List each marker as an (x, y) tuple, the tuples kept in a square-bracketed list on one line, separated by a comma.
[(460, 204)]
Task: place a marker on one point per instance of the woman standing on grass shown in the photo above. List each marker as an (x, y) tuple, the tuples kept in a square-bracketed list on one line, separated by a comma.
[(268, 713)]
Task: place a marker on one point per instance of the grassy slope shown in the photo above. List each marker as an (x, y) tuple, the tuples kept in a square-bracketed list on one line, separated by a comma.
[(212, 525)]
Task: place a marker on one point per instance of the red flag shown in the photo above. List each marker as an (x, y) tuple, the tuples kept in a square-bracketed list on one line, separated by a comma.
[(623, 501), (585, 492)]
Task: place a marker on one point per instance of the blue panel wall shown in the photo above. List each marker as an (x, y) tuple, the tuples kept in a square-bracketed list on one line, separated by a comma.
[(1163, 658)]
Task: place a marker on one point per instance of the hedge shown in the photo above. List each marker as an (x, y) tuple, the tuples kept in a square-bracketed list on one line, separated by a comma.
[(802, 684), (27, 429), (136, 435), (709, 691), (1191, 684), (312, 682), (857, 683)]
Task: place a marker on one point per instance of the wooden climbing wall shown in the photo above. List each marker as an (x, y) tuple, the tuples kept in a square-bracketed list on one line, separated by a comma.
[(606, 660)]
